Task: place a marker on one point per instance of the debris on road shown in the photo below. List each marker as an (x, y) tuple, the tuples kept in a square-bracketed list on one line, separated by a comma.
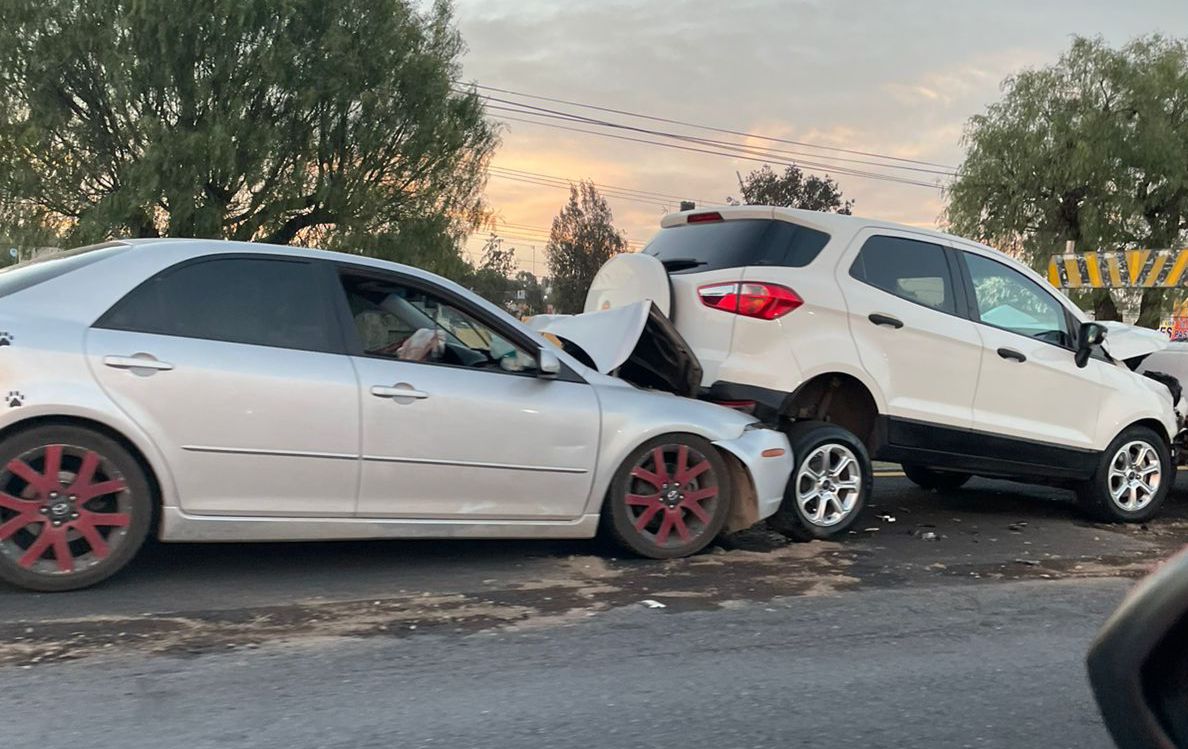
[(1029, 562), (886, 518), (653, 604)]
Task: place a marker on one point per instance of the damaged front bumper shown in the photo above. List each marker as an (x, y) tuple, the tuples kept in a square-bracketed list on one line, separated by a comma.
[(767, 457)]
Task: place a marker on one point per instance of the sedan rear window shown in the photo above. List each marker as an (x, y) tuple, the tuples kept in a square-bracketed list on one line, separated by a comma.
[(695, 248), (24, 275)]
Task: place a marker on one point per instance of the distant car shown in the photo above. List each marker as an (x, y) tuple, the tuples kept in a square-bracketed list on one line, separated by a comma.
[(864, 338), (222, 391)]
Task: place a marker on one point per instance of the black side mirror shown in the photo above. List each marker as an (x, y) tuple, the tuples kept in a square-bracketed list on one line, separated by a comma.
[(1138, 664), (1090, 334)]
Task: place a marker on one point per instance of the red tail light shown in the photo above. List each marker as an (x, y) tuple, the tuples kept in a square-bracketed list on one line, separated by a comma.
[(702, 218), (766, 301)]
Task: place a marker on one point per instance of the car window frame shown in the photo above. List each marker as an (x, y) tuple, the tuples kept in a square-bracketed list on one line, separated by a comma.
[(354, 344), (960, 303), (975, 314)]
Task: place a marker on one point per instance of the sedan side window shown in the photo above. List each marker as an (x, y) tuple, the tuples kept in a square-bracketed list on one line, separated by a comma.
[(399, 321), (1009, 300), (258, 301), (909, 269)]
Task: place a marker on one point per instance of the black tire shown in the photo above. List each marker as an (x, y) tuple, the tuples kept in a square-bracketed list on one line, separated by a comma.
[(930, 478), (70, 530), (670, 512), (800, 519), (1096, 495)]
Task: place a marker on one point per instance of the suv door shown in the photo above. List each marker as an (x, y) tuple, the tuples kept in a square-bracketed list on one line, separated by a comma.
[(234, 365), (1030, 388), (905, 308), (456, 423)]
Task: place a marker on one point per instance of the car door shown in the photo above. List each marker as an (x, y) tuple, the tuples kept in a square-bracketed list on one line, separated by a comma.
[(235, 366), (456, 423), (905, 310), (1031, 389)]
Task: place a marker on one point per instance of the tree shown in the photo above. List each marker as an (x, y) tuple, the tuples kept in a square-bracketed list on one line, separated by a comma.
[(1092, 149), (290, 122), (492, 277), (582, 239), (792, 189)]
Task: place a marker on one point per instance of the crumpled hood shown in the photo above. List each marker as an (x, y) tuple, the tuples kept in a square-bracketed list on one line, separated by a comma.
[(1124, 341), (607, 337), (635, 342)]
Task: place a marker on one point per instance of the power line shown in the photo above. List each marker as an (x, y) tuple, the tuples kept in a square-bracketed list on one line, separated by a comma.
[(569, 180), (518, 108), (728, 154), (727, 131), (664, 204)]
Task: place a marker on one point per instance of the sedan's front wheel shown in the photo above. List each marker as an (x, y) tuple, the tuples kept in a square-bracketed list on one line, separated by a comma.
[(74, 508), (669, 498)]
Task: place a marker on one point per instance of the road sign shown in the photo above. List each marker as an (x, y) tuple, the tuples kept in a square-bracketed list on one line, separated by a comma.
[(1122, 269)]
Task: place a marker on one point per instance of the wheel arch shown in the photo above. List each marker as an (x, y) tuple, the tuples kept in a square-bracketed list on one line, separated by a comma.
[(1151, 423), (839, 398)]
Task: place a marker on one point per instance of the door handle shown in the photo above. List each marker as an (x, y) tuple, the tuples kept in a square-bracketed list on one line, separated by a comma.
[(398, 391), (1010, 353), (138, 361), (885, 320)]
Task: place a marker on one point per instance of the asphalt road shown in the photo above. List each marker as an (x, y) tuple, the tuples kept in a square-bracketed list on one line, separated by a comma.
[(943, 621)]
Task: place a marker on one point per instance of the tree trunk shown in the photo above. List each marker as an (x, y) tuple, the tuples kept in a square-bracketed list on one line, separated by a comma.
[(1103, 305), (1151, 308)]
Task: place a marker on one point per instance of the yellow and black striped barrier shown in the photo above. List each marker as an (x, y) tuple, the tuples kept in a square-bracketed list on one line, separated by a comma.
[(1123, 269)]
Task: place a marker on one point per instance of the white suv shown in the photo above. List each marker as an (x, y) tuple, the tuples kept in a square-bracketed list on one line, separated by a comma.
[(864, 338)]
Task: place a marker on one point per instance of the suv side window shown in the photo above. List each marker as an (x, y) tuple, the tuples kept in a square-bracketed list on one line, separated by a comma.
[(909, 269), (401, 321), (1010, 300), (264, 302)]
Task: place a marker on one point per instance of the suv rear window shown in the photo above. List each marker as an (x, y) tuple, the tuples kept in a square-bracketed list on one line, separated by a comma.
[(21, 276), (695, 248)]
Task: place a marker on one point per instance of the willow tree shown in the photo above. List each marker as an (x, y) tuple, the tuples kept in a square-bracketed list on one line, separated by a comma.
[(287, 121), (1092, 149)]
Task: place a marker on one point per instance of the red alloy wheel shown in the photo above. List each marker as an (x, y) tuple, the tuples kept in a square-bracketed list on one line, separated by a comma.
[(672, 495), (63, 509)]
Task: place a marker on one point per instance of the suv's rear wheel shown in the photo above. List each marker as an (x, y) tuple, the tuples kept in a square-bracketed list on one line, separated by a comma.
[(669, 498), (930, 478), (830, 482), (1133, 479), (74, 508)]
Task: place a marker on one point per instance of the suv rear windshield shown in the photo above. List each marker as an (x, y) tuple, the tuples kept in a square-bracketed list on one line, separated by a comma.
[(21, 276), (694, 248)]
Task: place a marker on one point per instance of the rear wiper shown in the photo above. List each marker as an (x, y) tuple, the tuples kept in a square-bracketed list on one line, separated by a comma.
[(682, 263)]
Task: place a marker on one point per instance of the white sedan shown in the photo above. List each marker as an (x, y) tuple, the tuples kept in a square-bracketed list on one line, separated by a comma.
[(218, 391)]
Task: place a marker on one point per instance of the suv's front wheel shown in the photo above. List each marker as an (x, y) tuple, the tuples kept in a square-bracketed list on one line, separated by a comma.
[(829, 484), (1133, 479)]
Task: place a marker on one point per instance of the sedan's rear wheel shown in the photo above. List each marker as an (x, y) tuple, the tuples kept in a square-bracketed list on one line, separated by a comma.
[(669, 498), (74, 508)]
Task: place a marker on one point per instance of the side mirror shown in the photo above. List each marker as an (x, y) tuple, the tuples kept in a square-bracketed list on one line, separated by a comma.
[(1089, 335), (548, 364), (1138, 666)]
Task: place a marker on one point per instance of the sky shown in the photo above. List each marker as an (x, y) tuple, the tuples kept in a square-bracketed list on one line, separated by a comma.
[(892, 78)]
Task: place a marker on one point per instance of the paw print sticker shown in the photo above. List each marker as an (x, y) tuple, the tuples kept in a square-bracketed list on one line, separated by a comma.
[(5, 338), (15, 399)]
